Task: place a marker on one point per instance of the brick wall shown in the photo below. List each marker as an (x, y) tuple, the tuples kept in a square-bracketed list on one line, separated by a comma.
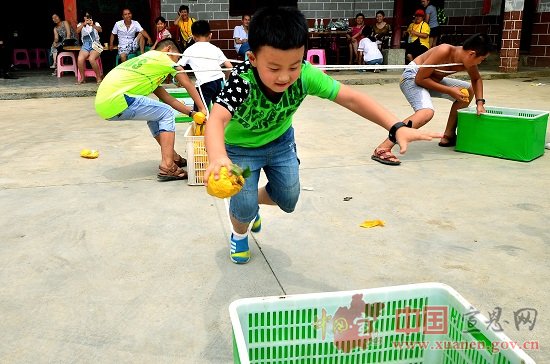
[(465, 19), (511, 35), (461, 27), (539, 54), (464, 8)]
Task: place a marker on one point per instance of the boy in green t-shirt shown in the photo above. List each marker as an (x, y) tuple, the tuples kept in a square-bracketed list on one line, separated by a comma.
[(123, 95), (251, 121)]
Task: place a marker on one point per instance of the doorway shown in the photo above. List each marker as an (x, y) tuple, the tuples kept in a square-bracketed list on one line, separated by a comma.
[(37, 29)]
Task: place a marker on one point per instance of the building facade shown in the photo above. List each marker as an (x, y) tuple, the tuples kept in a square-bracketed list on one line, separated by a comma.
[(520, 28)]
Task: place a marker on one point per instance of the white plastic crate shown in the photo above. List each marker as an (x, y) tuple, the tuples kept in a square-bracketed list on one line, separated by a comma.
[(368, 326), (197, 159)]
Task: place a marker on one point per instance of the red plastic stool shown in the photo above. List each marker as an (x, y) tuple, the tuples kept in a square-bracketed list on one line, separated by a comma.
[(21, 56), (320, 54), (39, 57), (62, 66), (89, 71)]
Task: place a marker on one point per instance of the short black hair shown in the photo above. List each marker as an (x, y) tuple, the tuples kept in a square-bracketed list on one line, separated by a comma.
[(359, 14), (380, 12), (167, 42), (184, 7), (160, 18), (278, 27), (200, 28), (479, 43)]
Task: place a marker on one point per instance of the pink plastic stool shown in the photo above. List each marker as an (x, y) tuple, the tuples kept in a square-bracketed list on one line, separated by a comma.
[(320, 54), (21, 56), (65, 67), (39, 57), (89, 71)]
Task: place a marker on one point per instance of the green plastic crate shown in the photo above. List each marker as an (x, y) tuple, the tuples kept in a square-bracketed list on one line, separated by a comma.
[(380, 325), (515, 134), (181, 95)]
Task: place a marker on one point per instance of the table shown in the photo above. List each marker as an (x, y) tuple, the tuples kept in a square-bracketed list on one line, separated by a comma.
[(72, 48), (330, 40)]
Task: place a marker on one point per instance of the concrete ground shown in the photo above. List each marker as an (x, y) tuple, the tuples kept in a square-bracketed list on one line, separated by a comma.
[(99, 262)]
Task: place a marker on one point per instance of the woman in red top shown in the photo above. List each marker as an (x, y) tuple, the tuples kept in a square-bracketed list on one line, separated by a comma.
[(355, 37)]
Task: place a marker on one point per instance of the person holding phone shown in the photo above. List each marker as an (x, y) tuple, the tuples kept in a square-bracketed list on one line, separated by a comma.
[(89, 32)]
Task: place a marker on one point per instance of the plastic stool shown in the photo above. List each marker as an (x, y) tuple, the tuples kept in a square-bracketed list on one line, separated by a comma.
[(39, 57), (89, 71), (21, 56), (65, 67), (130, 56), (320, 53)]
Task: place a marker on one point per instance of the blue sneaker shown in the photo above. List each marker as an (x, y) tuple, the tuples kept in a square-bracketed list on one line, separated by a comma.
[(239, 252), (257, 224)]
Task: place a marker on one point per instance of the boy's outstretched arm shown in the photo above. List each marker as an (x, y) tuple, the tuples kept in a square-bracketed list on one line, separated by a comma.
[(365, 106), (215, 142), (184, 81), (170, 100)]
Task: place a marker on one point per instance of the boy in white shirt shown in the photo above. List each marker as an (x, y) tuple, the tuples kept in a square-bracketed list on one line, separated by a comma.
[(205, 60), (368, 49)]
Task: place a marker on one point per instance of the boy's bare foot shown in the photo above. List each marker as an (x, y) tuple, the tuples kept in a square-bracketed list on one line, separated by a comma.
[(448, 141), (80, 82)]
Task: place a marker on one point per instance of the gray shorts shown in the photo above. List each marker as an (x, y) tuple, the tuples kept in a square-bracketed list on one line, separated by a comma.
[(420, 97)]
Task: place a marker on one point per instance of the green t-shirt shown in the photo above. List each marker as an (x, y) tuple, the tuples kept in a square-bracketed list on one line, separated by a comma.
[(256, 120), (138, 76)]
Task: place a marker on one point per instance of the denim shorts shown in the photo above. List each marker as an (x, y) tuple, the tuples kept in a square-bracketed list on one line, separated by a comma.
[(87, 46), (159, 116), (280, 163), (420, 97)]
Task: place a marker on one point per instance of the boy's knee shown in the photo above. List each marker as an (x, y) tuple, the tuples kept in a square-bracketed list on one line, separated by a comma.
[(286, 198)]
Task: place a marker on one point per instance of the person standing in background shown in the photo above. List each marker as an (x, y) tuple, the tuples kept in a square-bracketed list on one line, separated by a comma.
[(184, 22), (6, 50), (355, 37), (240, 34), (431, 19)]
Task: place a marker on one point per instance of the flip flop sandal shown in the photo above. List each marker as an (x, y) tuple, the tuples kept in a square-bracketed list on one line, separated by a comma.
[(451, 141), (171, 174), (181, 162), (385, 156)]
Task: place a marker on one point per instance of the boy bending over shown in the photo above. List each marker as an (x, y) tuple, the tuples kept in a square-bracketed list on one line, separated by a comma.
[(251, 121), (420, 84), (123, 96)]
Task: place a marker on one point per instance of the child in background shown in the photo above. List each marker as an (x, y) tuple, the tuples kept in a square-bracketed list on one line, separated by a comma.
[(162, 32), (205, 60), (368, 50), (251, 120)]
